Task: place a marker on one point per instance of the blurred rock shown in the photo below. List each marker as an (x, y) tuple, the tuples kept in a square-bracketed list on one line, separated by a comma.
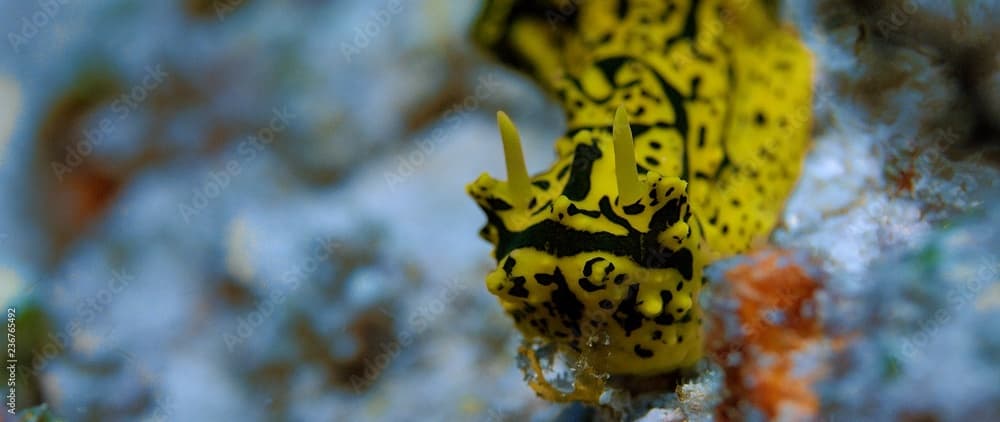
[(924, 342)]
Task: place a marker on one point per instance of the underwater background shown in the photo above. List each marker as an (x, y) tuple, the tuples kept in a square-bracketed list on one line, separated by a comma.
[(249, 210)]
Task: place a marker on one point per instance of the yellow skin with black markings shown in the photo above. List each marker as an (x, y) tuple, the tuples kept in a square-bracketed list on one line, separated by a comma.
[(718, 95)]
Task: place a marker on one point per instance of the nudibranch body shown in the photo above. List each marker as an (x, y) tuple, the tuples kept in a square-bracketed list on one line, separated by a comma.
[(687, 125)]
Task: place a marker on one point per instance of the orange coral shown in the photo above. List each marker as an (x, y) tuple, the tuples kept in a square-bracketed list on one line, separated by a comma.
[(778, 319)]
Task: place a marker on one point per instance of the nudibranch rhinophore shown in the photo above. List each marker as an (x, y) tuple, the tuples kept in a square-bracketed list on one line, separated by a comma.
[(687, 125)]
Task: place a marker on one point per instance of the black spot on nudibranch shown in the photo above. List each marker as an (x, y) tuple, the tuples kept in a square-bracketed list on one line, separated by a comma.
[(562, 172), (498, 204), (508, 265), (669, 215), (622, 9), (545, 206), (545, 279), (665, 317), (588, 267), (573, 210), (619, 279), (626, 315), (518, 290), (634, 209), (666, 296), (566, 303), (578, 185), (681, 260), (610, 66), (759, 119), (643, 353), (589, 287)]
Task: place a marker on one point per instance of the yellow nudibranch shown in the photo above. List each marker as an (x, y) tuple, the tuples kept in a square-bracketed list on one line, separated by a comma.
[(687, 124)]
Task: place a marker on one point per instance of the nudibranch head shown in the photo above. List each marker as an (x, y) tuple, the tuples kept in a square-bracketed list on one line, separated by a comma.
[(594, 256)]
